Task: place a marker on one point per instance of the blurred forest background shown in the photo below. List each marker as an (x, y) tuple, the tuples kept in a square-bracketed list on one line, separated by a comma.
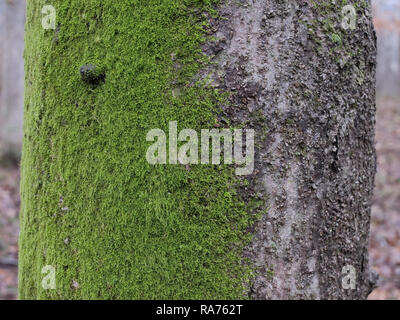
[(385, 227)]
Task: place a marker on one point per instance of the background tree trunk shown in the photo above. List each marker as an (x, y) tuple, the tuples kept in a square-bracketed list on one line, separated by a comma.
[(114, 226), (12, 16)]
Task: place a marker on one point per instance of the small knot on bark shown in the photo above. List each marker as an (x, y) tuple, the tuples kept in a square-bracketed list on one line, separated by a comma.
[(91, 75)]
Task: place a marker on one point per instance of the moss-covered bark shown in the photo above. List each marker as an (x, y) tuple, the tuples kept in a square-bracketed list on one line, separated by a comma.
[(116, 227), (111, 224)]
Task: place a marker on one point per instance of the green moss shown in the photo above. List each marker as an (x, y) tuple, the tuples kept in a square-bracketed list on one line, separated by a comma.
[(270, 274), (336, 38), (134, 231)]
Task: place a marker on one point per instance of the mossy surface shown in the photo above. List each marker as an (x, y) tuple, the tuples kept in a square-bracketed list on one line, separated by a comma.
[(112, 225)]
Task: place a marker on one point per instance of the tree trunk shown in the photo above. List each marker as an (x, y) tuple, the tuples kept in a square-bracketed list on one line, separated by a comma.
[(114, 226), (12, 16)]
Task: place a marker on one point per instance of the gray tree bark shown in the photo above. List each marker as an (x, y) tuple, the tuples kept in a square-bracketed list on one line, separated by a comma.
[(308, 85), (12, 18)]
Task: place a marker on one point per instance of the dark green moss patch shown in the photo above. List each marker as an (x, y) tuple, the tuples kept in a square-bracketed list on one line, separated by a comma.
[(92, 75)]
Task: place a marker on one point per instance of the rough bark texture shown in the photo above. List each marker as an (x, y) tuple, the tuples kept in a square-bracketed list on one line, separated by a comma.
[(313, 85), (291, 72)]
